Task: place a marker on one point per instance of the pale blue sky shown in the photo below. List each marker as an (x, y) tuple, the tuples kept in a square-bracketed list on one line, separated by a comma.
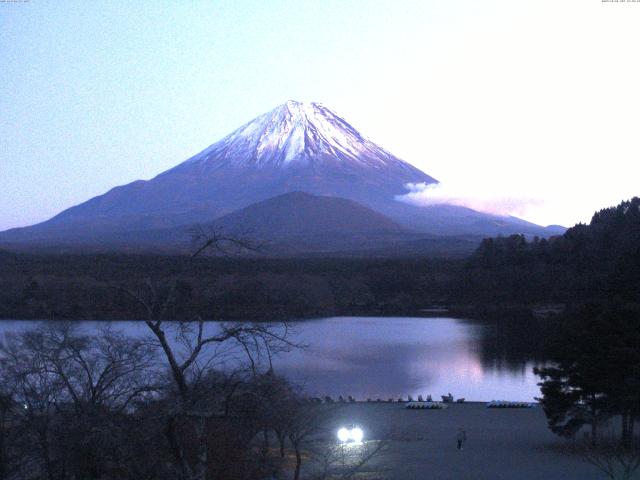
[(519, 107)]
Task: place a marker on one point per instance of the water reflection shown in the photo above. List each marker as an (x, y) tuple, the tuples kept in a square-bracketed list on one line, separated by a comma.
[(511, 342), (380, 357), (390, 357)]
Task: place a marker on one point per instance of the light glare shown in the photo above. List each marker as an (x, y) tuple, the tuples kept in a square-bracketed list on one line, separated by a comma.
[(343, 434), (350, 435), (356, 435)]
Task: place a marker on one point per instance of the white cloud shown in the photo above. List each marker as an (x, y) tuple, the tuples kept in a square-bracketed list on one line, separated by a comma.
[(470, 196)]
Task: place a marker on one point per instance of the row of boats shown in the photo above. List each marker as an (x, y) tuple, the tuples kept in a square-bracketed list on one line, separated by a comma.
[(492, 404)]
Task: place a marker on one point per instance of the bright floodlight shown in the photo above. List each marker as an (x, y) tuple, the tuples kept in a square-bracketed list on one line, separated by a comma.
[(351, 435), (343, 435), (356, 435)]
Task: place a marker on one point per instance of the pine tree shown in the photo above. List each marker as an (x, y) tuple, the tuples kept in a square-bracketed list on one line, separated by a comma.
[(596, 371)]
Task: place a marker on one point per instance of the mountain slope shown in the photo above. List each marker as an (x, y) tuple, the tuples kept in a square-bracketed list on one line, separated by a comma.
[(295, 147), (298, 214), (298, 222), (303, 224)]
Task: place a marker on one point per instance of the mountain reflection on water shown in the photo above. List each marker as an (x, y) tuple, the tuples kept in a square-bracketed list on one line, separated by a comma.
[(391, 357)]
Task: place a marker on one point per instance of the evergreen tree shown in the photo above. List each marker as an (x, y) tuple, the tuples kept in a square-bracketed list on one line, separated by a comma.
[(595, 372)]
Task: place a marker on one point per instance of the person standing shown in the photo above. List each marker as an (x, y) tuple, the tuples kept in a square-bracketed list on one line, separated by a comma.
[(461, 438)]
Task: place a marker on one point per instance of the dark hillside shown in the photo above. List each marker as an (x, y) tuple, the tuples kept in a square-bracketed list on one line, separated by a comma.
[(589, 262)]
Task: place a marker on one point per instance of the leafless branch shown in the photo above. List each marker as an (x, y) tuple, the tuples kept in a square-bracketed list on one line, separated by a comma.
[(222, 243)]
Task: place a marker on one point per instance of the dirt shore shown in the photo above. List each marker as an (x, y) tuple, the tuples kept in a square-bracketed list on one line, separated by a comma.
[(501, 443)]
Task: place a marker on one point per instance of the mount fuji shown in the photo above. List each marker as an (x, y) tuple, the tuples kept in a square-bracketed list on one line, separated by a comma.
[(296, 147)]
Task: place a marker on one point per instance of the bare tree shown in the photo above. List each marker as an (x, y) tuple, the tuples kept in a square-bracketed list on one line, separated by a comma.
[(72, 391), (281, 401), (304, 424), (7, 419), (107, 370), (337, 462), (209, 239), (195, 348)]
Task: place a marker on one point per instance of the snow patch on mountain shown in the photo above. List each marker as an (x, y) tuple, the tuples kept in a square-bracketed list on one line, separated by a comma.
[(293, 133)]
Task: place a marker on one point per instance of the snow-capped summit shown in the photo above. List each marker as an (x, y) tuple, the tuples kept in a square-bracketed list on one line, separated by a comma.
[(292, 133)]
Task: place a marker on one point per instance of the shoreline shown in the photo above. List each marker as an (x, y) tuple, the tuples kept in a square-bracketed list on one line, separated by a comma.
[(472, 312)]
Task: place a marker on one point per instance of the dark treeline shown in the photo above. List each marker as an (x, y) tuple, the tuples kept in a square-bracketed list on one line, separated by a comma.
[(599, 261), (88, 286)]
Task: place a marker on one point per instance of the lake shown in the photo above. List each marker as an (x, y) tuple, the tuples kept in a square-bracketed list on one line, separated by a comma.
[(389, 357)]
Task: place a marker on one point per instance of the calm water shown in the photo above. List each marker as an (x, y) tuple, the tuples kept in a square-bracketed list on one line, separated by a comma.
[(383, 357)]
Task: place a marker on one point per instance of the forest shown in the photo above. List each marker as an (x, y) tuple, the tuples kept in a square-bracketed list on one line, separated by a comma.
[(90, 286), (600, 260)]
